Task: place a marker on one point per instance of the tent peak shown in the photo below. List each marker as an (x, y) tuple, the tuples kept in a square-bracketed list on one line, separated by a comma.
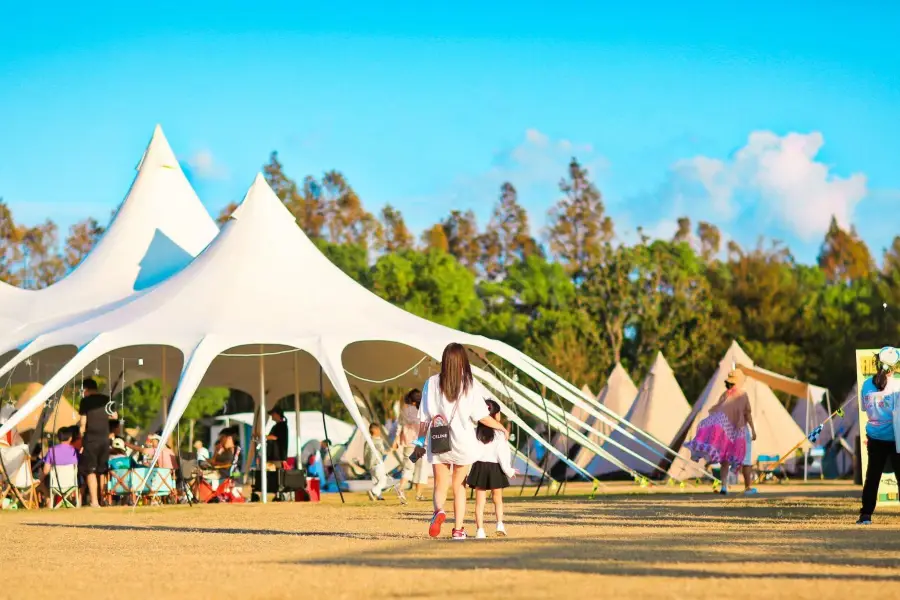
[(158, 153), (261, 203), (660, 365)]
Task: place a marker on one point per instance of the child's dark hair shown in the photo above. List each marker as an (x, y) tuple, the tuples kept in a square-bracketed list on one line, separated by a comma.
[(64, 434), (880, 379), (484, 433)]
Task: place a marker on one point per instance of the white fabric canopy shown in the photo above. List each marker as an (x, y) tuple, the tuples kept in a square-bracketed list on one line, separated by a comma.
[(262, 287), (158, 229), (659, 409)]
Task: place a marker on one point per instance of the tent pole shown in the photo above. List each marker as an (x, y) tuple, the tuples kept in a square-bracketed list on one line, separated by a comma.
[(263, 488), (165, 403), (806, 451), (297, 409)]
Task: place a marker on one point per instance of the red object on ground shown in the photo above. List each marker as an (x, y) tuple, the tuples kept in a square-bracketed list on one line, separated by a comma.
[(313, 491)]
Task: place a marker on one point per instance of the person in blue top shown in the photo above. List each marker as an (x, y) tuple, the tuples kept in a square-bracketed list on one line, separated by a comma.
[(878, 397)]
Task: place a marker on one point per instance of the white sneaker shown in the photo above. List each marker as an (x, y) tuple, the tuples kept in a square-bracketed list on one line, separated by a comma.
[(501, 530), (480, 535)]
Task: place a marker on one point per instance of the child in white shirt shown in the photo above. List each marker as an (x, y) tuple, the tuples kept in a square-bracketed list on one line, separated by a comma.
[(492, 471)]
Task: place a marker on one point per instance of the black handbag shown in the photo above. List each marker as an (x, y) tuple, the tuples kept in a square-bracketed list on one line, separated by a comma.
[(440, 433)]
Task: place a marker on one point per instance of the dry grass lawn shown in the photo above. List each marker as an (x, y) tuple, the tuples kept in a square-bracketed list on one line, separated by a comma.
[(797, 542)]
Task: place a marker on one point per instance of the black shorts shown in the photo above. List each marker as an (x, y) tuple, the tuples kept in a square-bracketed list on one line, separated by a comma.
[(94, 456)]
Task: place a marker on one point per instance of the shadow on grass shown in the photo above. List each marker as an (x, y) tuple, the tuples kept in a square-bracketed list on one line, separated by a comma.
[(687, 538), (216, 530)]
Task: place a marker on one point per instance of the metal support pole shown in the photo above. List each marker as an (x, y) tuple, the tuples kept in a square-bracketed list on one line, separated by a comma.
[(297, 409), (263, 488)]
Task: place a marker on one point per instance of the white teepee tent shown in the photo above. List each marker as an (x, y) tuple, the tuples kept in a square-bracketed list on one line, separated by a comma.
[(617, 395), (775, 429), (158, 229), (659, 409)]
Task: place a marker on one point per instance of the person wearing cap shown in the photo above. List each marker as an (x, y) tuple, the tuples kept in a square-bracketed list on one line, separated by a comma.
[(726, 436), (277, 440), (166, 456)]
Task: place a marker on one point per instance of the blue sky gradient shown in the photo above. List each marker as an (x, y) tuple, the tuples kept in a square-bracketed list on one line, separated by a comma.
[(433, 109)]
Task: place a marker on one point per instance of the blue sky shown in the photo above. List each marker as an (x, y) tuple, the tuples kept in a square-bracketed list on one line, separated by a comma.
[(764, 120)]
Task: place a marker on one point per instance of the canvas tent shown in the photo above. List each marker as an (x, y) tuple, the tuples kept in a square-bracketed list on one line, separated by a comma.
[(617, 395), (775, 429), (63, 415), (659, 409), (158, 229)]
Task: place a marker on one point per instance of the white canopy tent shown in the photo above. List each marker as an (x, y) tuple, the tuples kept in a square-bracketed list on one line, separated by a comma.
[(264, 311), (659, 409), (158, 229), (775, 429), (250, 294)]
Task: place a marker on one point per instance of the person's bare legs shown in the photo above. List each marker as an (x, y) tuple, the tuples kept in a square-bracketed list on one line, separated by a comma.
[(441, 485), (723, 474), (497, 497), (480, 502), (459, 494), (747, 471), (92, 489)]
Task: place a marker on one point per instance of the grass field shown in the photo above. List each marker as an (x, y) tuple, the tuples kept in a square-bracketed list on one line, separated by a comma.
[(790, 542)]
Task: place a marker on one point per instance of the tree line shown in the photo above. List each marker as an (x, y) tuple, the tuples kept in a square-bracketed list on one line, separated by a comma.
[(575, 297)]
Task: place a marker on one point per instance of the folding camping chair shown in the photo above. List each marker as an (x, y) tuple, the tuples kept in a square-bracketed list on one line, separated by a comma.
[(161, 485), (765, 467), (225, 488), (16, 479), (121, 483), (64, 490)]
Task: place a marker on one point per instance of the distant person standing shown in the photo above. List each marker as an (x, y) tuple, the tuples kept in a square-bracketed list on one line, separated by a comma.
[(375, 463), (94, 427), (409, 430), (277, 439), (879, 398)]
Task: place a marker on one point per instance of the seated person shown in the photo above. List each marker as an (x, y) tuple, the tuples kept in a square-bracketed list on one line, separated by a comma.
[(60, 455), (202, 452), (12, 437), (166, 456), (224, 452), (63, 453), (118, 459)]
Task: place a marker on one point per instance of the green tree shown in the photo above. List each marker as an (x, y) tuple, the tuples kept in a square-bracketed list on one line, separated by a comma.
[(578, 226), (347, 221), (430, 284), (395, 236), (435, 238), (83, 236), (44, 265), (463, 240), (507, 239), (10, 247), (844, 257)]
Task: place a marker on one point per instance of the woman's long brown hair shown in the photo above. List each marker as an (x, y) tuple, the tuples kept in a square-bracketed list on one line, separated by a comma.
[(456, 373)]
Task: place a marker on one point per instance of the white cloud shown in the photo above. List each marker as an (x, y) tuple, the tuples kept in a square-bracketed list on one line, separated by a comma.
[(782, 175), (204, 165)]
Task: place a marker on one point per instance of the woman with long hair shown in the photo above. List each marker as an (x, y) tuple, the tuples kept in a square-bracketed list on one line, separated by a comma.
[(879, 399), (492, 471), (452, 405)]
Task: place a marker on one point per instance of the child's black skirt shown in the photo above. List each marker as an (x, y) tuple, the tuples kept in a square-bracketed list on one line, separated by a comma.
[(487, 476)]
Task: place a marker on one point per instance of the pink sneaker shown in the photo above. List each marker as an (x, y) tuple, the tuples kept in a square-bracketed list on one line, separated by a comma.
[(437, 520), (459, 534)]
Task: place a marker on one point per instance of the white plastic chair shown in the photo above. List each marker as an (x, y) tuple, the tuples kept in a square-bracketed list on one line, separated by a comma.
[(18, 482), (64, 487)]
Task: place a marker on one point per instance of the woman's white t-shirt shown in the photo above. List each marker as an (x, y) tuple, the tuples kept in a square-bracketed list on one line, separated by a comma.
[(469, 409)]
